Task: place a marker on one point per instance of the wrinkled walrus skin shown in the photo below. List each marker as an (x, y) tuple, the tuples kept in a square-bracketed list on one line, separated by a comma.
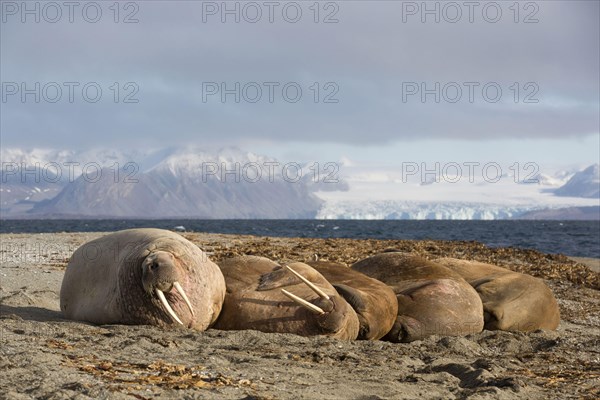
[(254, 300), (432, 300), (375, 302), (113, 280), (511, 301)]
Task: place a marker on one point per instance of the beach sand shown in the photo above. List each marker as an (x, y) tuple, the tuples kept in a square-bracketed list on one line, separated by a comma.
[(44, 356)]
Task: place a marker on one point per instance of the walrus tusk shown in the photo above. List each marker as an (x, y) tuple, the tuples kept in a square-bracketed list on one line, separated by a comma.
[(311, 285), (182, 293), (165, 303), (303, 303)]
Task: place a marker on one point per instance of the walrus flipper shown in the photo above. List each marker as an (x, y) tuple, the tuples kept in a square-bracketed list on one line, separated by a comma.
[(352, 296), (278, 278)]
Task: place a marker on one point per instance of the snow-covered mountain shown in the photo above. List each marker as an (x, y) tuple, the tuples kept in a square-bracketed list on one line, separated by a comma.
[(228, 183), (584, 183), (231, 183), (547, 180)]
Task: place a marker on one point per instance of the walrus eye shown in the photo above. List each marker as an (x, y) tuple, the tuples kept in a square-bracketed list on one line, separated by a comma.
[(154, 266)]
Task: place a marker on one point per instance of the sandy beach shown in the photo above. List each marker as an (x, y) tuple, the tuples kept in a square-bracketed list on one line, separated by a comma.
[(45, 356)]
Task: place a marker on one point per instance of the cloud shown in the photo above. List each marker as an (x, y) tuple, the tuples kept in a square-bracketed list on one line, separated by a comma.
[(362, 79)]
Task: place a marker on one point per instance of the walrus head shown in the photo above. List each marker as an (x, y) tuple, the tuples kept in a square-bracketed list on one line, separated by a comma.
[(324, 307), (160, 274)]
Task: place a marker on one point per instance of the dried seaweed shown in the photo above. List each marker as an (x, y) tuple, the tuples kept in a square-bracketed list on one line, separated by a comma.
[(127, 377), (557, 268)]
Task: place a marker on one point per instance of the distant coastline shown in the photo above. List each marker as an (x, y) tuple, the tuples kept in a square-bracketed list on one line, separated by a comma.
[(569, 237)]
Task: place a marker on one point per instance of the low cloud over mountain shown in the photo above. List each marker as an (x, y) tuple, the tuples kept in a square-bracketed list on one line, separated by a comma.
[(169, 183)]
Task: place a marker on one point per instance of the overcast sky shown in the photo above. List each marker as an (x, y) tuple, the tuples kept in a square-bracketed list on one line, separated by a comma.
[(514, 82)]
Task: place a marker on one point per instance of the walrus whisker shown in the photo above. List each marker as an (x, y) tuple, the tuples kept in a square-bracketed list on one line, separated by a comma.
[(311, 285), (178, 287), (165, 304), (303, 303)]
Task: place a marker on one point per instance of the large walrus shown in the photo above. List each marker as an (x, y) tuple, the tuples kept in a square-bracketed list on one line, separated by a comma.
[(267, 297), (142, 276), (375, 302), (511, 301), (432, 299)]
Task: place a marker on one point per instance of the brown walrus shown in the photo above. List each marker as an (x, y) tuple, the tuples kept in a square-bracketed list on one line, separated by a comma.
[(511, 301), (432, 299), (267, 297), (375, 302), (142, 276)]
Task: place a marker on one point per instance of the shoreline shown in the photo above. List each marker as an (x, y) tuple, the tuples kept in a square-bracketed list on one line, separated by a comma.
[(592, 262)]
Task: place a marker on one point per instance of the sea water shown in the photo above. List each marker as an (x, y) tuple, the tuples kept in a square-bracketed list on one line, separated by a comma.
[(574, 238)]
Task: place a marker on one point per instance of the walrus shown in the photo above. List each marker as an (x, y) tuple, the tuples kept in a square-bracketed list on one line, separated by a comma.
[(511, 301), (432, 299), (373, 301), (265, 296), (142, 277)]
